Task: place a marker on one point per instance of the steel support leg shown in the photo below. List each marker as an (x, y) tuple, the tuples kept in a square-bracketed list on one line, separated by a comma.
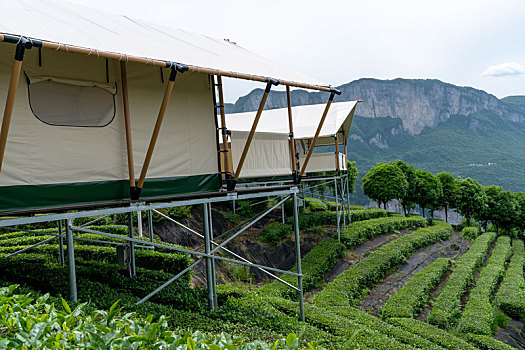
[(60, 243), (139, 223), (150, 225), (282, 212), (214, 275), (298, 255), (73, 296), (132, 270), (207, 246), (343, 201), (337, 211), (348, 195)]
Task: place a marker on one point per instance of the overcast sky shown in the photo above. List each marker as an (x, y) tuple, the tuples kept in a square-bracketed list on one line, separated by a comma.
[(474, 43)]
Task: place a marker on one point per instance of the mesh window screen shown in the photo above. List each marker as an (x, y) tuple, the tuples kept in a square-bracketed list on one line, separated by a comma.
[(63, 104)]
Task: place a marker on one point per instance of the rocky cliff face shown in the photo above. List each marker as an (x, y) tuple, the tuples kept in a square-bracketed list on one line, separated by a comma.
[(418, 103)]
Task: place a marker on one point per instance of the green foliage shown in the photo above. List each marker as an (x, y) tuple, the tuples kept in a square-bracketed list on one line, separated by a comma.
[(309, 220), (428, 190), (102, 221), (470, 198), (385, 182), (408, 199), (276, 232), (448, 185), (478, 315), (470, 233), (511, 293), (502, 208), (484, 342), (352, 172), (314, 204), (351, 284), (28, 323), (176, 213), (445, 339), (409, 300), (447, 306), (360, 231)]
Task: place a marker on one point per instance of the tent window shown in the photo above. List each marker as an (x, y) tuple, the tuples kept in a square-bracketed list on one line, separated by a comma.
[(66, 104)]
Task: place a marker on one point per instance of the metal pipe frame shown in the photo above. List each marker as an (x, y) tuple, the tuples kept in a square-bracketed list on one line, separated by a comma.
[(73, 296), (32, 246), (209, 269), (60, 243), (298, 257), (337, 211), (225, 249), (132, 269)]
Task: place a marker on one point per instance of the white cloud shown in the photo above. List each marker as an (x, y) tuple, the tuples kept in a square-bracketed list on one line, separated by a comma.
[(504, 69)]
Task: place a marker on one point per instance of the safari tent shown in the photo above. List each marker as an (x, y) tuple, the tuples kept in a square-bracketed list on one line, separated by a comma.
[(101, 108), (271, 153)]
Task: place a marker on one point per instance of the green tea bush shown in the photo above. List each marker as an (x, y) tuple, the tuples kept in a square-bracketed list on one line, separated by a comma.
[(445, 339), (470, 233), (352, 284), (478, 316), (36, 324), (447, 306), (102, 221), (409, 300), (511, 293), (276, 232), (314, 204), (309, 220), (360, 231), (484, 342)]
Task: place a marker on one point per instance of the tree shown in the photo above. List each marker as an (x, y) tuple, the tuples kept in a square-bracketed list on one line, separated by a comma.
[(428, 191), (384, 182), (520, 203), (408, 200), (470, 198), (448, 199), (352, 175), (502, 208)]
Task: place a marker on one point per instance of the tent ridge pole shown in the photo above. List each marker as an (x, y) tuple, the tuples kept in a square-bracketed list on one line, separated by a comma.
[(224, 130), (156, 130), (269, 83), (316, 136), (127, 123), (292, 140)]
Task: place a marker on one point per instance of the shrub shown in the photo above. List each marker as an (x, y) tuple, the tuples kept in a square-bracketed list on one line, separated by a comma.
[(309, 220), (87, 219), (276, 232), (412, 297), (360, 231), (352, 283), (447, 306), (314, 204), (478, 316), (511, 294), (427, 331), (470, 233), (484, 342)]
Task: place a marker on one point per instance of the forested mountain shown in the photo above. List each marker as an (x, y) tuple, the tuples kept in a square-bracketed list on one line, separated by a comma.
[(428, 123)]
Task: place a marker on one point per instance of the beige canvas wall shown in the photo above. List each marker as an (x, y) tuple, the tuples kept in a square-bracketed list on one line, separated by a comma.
[(38, 153)]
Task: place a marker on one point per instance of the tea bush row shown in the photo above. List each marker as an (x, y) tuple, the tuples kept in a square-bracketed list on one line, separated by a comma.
[(511, 294)]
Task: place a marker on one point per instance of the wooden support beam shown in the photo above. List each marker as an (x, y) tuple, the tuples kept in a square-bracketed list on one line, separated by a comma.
[(319, 127), (10, 102), (127, 123), (226, 150), (345, 141), (156, 130), (269, 84), (336, 141), (290, 125)]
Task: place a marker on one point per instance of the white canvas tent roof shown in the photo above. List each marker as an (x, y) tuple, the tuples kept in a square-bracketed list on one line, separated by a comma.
[(305, 120), (72, 26)]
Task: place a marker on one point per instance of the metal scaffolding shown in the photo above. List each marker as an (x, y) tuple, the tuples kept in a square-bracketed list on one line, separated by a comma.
[(211, 247)]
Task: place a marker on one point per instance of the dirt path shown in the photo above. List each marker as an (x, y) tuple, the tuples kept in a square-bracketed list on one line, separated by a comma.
[(379, 294)]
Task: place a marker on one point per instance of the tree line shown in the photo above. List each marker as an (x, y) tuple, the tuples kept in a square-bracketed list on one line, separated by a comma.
[(410, 186)]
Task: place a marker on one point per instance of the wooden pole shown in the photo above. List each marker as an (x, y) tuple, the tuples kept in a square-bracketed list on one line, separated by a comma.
[(8, 110), (225, 148), (336, 139), (156, 130), (252, 133), (290, 124), (160, 63), (127, 122), (311, 148)]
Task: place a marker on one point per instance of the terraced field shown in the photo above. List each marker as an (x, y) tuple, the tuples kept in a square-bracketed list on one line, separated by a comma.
[(391, 283)]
